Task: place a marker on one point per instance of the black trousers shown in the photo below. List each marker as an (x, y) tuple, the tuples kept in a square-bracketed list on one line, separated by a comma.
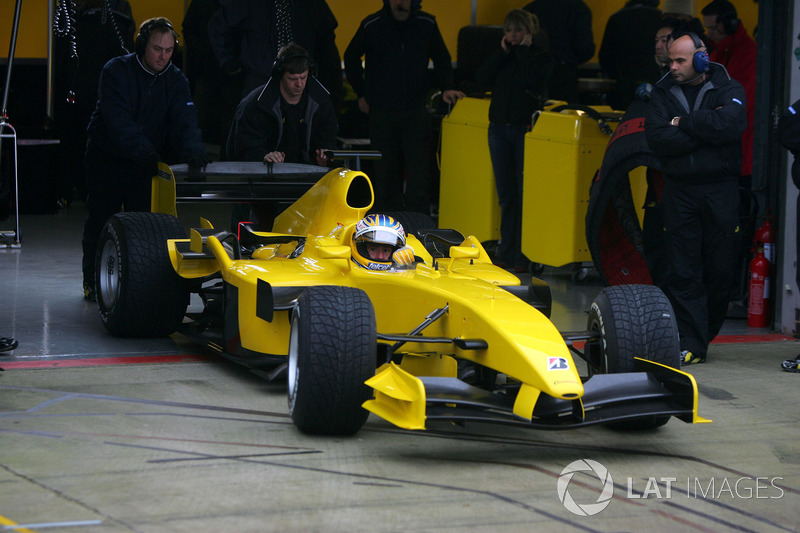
[(404, 139), (703, 235), (113, 183)]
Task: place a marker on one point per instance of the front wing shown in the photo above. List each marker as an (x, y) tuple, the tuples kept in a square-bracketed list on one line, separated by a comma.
[(655, 390)]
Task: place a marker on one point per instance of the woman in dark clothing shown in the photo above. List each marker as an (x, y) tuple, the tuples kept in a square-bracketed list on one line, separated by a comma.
[(518, 76)]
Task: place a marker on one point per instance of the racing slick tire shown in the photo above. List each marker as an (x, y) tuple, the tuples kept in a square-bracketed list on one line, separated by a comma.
[(138, 290), (634, 321), (332, 352)]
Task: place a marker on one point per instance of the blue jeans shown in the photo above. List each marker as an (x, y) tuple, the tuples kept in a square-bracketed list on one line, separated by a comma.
[(507, 150)]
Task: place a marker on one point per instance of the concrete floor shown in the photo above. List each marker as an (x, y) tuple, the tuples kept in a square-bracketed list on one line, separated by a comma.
[(105, 434)]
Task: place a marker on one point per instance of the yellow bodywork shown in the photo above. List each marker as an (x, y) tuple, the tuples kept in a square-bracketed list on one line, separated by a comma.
[(563, 151), (562, 154), (522, 343)]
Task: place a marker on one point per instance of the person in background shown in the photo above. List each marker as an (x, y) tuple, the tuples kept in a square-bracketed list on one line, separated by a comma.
[(397, 43), (143, 109), (625, 51), (789, 137), (247, 34), (517, 75), (101, 30), (215, 92), (732, 47), (567, 31), (694, 123), (290, 118)]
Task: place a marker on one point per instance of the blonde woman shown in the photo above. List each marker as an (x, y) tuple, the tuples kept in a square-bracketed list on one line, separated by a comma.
[(517, 75)]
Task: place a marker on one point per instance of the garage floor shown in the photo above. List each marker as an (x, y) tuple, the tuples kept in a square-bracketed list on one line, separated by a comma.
[(105, 434)]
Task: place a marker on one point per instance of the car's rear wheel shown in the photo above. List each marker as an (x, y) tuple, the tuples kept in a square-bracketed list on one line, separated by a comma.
[(332, 352), (138, 290), (634, 321)]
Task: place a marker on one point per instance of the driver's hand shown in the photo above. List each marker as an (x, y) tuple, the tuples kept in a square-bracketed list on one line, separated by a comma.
[(403, 256)]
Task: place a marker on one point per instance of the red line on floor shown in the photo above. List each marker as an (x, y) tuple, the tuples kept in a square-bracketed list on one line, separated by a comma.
[(101, 361), (765, 337)]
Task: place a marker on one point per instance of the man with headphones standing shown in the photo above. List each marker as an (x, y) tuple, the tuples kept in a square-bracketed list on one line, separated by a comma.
[(144, 109), (694, 125), (290, 118)]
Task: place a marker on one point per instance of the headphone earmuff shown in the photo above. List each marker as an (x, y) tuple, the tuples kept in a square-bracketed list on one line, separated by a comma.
[(143, 37), (700, 61)]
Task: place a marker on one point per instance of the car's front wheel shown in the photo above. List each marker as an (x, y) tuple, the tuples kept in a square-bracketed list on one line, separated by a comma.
[(634, 321), (332, 352), (138, 291)]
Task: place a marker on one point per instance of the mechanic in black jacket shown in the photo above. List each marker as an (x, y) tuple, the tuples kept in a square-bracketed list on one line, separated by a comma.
[(290, 118), (517, 75), (143, 109), (396, 43), (694, 125)]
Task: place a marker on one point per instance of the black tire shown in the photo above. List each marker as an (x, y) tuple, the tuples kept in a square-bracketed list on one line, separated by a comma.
[(413, 222), (138, 290), (332, 352), (634, 321)]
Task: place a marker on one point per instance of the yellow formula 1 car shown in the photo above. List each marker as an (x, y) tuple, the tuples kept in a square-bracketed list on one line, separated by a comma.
[(449, 336)]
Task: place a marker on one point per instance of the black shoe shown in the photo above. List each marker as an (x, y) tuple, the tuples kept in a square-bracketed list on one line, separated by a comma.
[(690, 358), (88, 293), (7, 344), (790, 365)]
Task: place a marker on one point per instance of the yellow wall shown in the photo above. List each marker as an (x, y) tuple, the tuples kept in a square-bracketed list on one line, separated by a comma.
[(451, 14)]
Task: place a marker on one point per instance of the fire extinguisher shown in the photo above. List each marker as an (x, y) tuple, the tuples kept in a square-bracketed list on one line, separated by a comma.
[(758, 304), (765, 235)]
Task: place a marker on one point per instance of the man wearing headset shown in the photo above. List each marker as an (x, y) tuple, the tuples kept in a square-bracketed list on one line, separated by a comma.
[(694, 126), (290, 118), (144, 110)]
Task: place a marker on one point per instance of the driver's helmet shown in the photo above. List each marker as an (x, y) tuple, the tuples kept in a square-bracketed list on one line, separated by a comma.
[(378, 229)]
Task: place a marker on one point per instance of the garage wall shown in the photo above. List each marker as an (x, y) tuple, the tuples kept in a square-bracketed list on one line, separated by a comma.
[(451, 14)]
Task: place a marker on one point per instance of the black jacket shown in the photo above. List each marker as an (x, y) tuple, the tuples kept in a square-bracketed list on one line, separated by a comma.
[(518, 80), (395, 73), (707, 145), (626, 53), (243, 35), (567, 26), (139, 112), (789, 137), (258, 124)]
